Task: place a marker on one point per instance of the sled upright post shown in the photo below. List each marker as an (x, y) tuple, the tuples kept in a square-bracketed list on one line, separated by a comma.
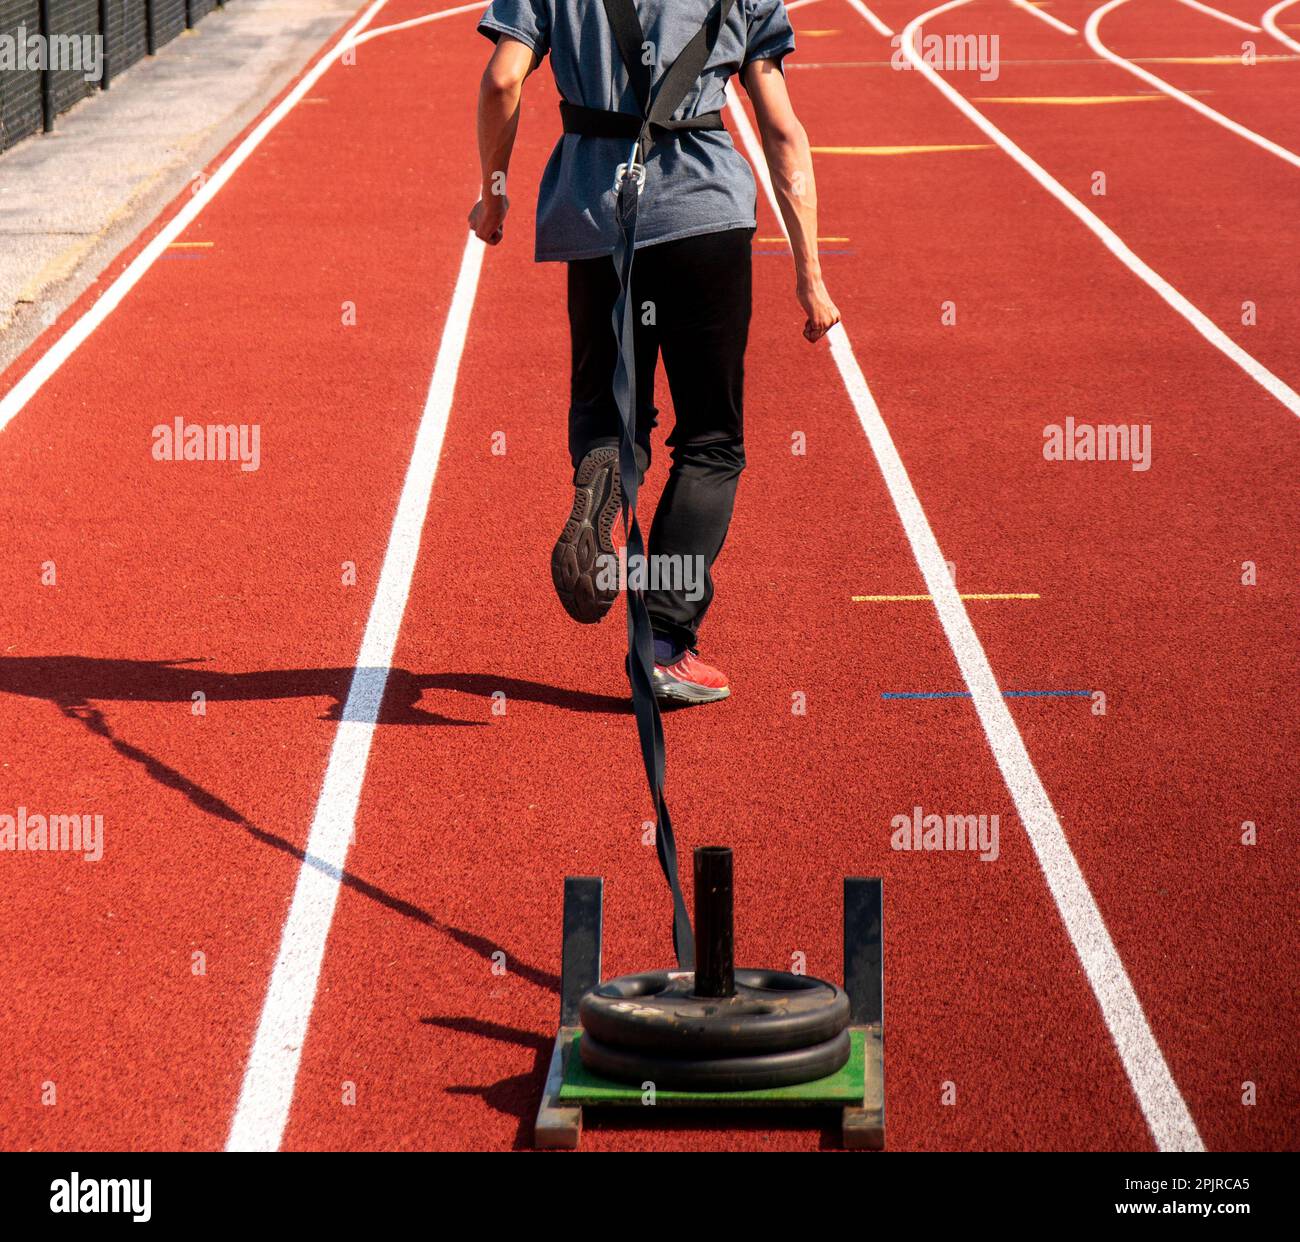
[(864, 981), (561, 1125)]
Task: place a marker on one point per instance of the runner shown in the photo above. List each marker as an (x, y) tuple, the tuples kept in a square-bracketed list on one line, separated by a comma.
[(692, 283)]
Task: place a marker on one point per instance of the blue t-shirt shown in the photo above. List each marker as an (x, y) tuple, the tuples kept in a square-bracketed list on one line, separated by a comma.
[(696, 181)]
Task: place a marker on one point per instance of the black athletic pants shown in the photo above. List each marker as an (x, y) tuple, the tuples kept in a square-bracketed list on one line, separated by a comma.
[(691, 302)]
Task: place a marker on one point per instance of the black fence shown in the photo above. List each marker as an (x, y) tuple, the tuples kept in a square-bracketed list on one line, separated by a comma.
[(54, 53)]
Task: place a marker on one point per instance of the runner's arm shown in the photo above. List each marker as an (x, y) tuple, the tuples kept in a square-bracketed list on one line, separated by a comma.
[(498, 122), (789, 160)]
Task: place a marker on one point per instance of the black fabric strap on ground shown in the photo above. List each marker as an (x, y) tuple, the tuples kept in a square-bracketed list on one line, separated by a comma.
[(672, 90)]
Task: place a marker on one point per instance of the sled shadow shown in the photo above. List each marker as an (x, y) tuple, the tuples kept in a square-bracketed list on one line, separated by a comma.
[(516, 1096)]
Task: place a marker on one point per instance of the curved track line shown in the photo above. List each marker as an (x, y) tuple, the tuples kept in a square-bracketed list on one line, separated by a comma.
[(1269, 22), (1265, 378), (1222, 16), (1094, 42), (416, 21), (62, 349), (1046, 17), (869, 17), (1157, 1094)]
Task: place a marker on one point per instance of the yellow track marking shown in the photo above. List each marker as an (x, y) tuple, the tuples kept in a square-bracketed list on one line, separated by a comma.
[(777, 240), (1072, 99), (898, 599), (1201, 60), (189, 245), (963, 146)]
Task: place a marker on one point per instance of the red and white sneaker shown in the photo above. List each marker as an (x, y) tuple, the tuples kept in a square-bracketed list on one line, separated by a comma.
[(689, 680)]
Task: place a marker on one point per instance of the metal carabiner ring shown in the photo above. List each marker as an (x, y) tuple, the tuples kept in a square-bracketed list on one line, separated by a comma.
[(633, 168)]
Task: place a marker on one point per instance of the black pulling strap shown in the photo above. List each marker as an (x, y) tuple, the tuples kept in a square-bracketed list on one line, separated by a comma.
[(656, 108)]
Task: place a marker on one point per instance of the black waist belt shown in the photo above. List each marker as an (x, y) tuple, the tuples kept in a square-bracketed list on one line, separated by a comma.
[(597, 123)]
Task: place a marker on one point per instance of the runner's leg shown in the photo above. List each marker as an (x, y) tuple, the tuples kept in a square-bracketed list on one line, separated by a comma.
[(593, 414), (704, 287), (583, 562)]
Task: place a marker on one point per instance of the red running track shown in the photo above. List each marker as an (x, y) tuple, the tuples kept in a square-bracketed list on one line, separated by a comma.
[(1141, 587), (469, 819)]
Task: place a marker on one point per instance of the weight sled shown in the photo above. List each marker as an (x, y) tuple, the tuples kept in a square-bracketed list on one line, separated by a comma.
[(700, 1056)]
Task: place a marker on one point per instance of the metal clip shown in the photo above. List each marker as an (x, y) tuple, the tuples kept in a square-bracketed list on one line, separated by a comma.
[(633, 168)]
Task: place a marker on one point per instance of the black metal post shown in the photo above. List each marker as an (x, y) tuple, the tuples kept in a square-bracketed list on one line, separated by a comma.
[(150, 28), (580, 957), (715, 948), (106, 64), (47, 74)]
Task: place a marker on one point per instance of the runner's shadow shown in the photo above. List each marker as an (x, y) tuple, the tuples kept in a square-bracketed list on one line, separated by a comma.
[(75, 681), (72, 695), (207, 801)]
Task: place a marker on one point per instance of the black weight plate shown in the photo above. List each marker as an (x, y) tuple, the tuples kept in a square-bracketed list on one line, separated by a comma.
[(749, 1073), (772, 1011)]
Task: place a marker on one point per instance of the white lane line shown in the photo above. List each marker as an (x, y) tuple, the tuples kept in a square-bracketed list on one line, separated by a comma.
[(272, 1069), (1107, 236), (1220, 14), (871, 19), (1047, 17), (799, 4), (1269, 22), (1094, 42), (1153, 1085), (62, 349)]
